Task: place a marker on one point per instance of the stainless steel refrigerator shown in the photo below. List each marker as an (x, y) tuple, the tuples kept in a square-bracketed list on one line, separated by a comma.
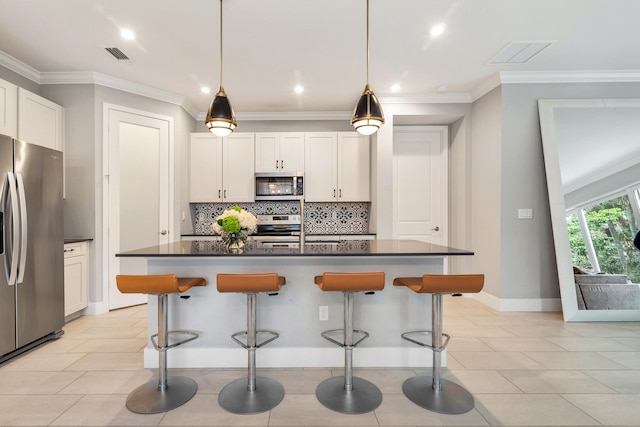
[(31, 246)]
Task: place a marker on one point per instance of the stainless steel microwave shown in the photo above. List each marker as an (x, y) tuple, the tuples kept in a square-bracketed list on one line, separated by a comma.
[(279, 186)]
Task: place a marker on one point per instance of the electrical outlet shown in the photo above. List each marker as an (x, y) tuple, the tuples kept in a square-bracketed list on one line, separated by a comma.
[(324, 312)]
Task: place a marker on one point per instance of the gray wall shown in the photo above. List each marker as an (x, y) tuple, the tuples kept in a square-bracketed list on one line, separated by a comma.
[(84, 156), (522, 265)]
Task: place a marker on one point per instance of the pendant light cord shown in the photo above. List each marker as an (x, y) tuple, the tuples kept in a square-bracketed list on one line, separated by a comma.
[(221, 43), (367, 42)]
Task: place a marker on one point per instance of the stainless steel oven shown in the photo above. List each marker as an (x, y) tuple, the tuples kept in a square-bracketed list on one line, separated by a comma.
[(278, 231), (279, 186)]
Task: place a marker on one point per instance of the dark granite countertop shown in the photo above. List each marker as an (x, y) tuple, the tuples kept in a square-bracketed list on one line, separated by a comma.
[(77, 239), (201, 248)]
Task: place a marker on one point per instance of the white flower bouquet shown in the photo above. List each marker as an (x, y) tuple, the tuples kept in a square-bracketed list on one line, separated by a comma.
[(234, 225)]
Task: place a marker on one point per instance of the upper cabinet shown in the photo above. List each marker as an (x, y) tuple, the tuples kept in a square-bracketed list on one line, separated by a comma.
[(280, 152), (337, 167), (40, 121), (221, 169), (8, 109)]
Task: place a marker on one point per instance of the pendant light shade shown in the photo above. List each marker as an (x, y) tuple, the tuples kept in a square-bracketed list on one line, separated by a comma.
[(367, 116), (221, 119)]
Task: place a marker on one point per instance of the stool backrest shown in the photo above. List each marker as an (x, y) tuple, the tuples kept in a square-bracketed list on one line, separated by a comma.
[(351, 282), (250, 283)]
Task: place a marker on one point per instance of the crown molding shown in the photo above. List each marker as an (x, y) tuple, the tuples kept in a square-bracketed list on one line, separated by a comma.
[(492, 82), (542, 77), (19, 67), (288, 115), (91, 77), (609, 76), (427, 98)]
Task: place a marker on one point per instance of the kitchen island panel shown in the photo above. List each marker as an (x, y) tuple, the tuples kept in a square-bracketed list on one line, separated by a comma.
[(294, 313)]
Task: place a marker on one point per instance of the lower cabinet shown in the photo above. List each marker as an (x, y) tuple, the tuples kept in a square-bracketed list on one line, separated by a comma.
[(76, 277)]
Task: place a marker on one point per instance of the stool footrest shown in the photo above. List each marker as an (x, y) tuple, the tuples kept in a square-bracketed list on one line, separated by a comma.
[(358, 336), (272, 335), (407, 336), (190, 334)]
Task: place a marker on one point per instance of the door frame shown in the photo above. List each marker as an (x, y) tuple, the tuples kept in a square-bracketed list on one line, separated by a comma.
[(107, 108), (443, 130)]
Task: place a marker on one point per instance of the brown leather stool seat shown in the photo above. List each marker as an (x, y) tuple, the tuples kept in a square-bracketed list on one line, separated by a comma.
[(253, 394), (348, 394), (160, 396), (433, 392)]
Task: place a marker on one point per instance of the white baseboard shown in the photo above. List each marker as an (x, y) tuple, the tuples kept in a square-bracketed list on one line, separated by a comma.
[(293, 357), (519, 304), (96, 308)]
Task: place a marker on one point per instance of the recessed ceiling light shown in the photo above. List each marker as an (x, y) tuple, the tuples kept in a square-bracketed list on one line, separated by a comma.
[(205, 90), (127, 34), (298, 89), (437, 29), (395, 88)]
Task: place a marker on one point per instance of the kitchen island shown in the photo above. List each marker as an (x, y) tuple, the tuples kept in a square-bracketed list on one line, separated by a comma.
[(294, 312)]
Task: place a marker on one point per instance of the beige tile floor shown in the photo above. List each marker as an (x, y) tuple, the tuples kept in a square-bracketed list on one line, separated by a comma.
[(524, 369)]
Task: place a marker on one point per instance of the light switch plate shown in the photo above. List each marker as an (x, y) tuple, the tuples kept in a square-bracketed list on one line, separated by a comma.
[(525, 213)]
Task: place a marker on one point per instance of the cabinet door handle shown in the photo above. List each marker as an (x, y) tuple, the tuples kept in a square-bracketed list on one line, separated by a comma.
[(340, 193), (276, 164), (69, 250), (334, 193), (281, 164), (225, 194), (219, 194)]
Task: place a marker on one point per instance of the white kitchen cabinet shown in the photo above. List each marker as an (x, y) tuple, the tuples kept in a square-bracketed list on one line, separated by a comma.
[(40, 121), (8, 109), (337, 167), (221, 169), (76, 277), (280, 152)]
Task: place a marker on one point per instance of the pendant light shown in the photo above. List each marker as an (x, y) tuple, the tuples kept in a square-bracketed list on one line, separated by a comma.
[(221, 120), (367, 116)]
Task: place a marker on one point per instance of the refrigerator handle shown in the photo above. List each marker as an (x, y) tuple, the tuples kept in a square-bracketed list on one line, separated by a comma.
[(23, 228), (15, 221)]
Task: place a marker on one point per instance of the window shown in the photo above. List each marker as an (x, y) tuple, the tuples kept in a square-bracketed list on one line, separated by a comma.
[(601, 235)]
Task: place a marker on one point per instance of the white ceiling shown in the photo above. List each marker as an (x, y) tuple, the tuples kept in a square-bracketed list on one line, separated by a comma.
[(272, 45)]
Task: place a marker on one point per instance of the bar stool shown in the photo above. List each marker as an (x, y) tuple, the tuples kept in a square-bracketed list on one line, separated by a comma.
[(253, 394), (348, 394), (167, 392), (433, 392)]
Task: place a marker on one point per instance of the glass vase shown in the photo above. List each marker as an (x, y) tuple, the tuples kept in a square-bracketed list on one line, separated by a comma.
[(234, 242)]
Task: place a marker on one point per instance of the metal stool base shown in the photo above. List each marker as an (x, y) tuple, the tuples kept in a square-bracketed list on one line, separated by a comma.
[(365, 396), (147, 399), (235, 397), (451, 399)]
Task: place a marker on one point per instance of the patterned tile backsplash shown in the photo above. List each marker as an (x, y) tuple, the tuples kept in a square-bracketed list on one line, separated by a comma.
[(319, 218)]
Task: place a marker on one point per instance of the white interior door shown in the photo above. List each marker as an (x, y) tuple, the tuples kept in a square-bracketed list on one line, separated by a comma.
[(420, 183), (139, 189)]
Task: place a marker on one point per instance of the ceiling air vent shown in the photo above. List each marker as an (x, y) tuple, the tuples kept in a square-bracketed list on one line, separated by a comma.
[(519, 52), (117, 53)]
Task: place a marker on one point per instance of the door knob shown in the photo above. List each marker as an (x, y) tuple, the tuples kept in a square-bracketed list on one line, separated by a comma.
[(163, 232), (436, 228)]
